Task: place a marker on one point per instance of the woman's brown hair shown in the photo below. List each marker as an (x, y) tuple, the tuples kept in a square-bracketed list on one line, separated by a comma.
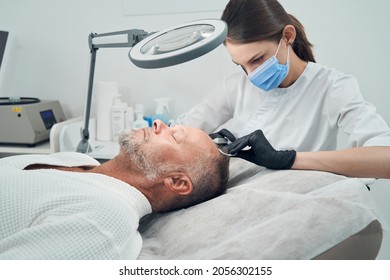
[(255, 20)]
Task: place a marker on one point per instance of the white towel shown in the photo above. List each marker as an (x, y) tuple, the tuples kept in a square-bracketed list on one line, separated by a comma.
[(264, 215)]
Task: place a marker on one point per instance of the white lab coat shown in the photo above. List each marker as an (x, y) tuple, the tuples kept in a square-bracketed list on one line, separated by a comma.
[(305, 116)]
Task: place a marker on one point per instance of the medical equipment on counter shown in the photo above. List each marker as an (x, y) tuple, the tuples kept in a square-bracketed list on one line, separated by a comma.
[(28, 120), (168, 47), (68, 140)]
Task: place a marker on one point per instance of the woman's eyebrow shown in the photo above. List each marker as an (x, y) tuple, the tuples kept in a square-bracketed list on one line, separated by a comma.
[(254, 57)]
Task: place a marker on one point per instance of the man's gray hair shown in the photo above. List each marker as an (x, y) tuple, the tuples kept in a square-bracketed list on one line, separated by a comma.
[(209, 174)]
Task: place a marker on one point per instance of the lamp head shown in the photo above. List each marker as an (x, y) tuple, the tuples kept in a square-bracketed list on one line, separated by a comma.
[(179, 43)]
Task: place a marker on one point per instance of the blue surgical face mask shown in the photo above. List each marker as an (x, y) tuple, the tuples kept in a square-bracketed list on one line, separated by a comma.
[(271, 73)]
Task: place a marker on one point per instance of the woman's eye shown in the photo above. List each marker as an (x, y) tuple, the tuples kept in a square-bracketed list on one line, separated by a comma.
[(257, 60)]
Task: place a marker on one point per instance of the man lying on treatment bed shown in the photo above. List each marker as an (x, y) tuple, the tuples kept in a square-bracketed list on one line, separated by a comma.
[(68, 206)]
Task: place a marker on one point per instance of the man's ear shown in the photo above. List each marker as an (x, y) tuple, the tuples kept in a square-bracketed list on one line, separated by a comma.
[(179, 184)]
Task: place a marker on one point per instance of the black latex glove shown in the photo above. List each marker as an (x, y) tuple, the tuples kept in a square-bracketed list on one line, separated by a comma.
[(261, 152), (222, 137)]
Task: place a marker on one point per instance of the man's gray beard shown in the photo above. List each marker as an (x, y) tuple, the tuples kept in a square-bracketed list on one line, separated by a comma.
[(137, 155)]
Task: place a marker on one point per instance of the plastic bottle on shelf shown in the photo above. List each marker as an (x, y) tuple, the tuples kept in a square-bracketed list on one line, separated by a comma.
[(104, 94), (149, 120), (139, 113), (117, 118), (129, 117), (162, 110)]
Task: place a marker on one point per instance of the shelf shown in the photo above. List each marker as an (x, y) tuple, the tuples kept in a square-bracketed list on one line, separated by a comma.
[(40, 148)]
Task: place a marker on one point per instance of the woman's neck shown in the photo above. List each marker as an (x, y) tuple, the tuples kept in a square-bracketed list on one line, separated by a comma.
[(297, 66)]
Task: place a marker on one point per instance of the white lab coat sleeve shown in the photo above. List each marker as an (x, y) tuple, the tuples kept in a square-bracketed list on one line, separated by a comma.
[(356, 117), (213, 110)]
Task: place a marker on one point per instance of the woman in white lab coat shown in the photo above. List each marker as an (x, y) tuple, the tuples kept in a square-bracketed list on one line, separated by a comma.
[(286, 107)]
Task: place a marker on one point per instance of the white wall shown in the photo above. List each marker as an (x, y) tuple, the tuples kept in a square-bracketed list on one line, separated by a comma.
[(48, 56)]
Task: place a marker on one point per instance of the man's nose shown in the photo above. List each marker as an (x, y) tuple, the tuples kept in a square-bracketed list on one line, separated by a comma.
[(159, 126)]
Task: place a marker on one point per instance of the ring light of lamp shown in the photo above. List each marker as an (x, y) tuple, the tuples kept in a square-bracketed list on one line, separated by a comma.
[(178, 44)]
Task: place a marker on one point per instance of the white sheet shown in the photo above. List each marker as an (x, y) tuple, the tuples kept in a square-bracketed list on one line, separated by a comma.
[(264, 215)]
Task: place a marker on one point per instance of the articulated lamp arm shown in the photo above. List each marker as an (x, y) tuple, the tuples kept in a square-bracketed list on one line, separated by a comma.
[(134, 36)]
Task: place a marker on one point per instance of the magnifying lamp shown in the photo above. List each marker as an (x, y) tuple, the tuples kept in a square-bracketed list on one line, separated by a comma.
[(165, 48)]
